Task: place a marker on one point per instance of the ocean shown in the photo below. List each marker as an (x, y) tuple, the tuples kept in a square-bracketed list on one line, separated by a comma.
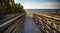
[(42, 10)]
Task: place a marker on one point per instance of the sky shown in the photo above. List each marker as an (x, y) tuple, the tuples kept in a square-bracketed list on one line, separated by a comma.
[(39, 4)]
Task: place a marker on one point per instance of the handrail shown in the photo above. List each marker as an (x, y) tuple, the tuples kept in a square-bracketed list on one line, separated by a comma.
[(4, 24), (47, 22), (10, 22), (47, 16)]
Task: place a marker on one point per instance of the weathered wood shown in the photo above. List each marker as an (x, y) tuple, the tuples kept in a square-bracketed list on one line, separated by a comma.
[(12, 25), (46, 25)]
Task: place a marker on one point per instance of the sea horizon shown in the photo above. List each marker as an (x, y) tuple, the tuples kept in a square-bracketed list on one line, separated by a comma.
[(42, 10)]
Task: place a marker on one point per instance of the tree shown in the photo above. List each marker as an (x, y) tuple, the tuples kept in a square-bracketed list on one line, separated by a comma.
[(9, 6)]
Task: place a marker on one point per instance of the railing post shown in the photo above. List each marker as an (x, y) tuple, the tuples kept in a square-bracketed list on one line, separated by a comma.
[(13, 25), (46, 24)]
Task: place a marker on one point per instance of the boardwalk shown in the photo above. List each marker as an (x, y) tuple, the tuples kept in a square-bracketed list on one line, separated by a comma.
[(27, 24), (30, 26)]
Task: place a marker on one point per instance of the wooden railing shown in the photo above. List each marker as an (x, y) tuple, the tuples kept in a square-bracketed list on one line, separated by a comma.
[(47, 23), (12, 26)]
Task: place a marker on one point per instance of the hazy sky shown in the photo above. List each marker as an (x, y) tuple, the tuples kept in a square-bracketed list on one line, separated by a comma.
[(39, 4)]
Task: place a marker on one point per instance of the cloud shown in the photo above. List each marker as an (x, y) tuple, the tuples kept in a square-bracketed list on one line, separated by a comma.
[(45, 5), (52, 5), (31, 4)]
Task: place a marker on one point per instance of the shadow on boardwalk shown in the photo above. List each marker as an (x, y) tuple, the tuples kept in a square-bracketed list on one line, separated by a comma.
[(30, 26)]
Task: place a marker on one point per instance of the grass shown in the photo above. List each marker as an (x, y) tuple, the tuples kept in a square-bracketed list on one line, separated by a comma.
[(54, 21)]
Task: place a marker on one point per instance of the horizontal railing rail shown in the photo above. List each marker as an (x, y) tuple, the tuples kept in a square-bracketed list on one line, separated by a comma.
[(12, 25), (47, 23)]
